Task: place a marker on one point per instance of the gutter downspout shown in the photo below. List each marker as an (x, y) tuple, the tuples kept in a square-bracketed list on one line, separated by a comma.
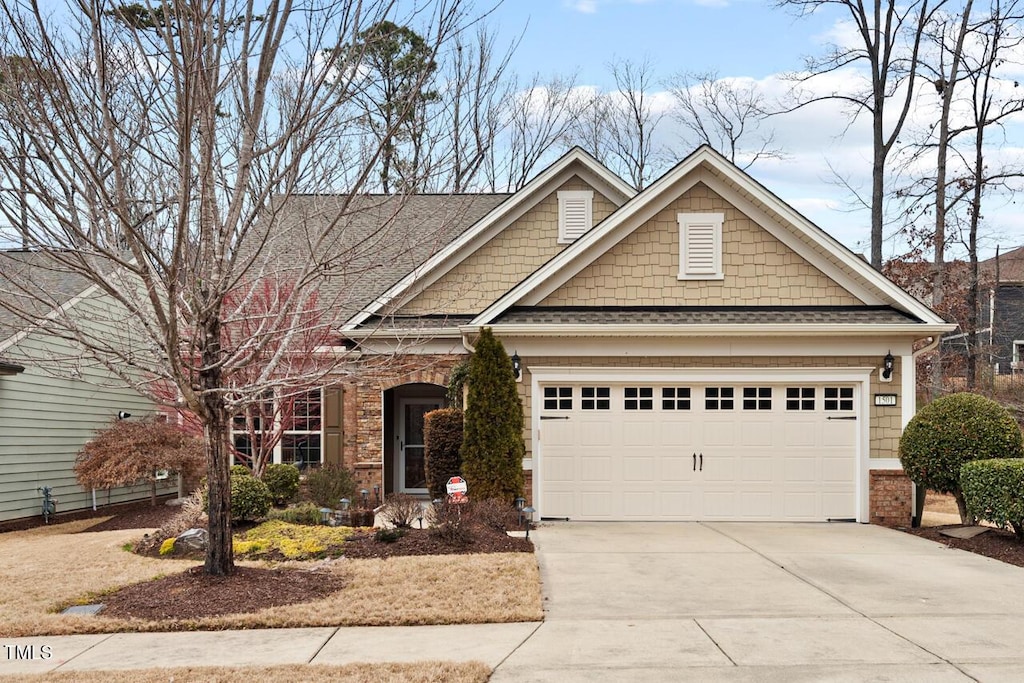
[(919, 490), (928, 347), (466, 345)]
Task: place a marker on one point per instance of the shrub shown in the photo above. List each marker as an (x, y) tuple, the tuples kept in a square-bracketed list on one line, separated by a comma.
[(449, 524), (492, 446), (951, 431), (400, 510), (388, 535), (330, 484), (294, 542), (167, 547), (250, 498), (240, 471), (306, 513), (994, 491), (496, 514), (442, 433), (283, 482)]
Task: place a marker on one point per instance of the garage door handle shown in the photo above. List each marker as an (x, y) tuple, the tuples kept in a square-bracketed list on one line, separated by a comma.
[(701, 462), (694, 462), (844, 417), (554, 417)]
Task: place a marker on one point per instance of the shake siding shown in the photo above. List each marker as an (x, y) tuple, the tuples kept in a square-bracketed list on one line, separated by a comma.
[(642, 269), (45, 420), (505, 260)]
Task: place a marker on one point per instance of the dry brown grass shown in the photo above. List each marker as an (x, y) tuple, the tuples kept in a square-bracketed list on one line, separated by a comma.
[(43, 568), (943, 503), (417, 672)]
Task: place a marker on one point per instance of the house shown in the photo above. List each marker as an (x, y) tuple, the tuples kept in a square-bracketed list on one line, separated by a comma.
[(1003, 313), (695, 351), (51, 405)]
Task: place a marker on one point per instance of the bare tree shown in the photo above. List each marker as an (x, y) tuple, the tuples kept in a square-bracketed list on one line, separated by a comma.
[(890, 35), (633, 121), (172, 127), (725, 113)]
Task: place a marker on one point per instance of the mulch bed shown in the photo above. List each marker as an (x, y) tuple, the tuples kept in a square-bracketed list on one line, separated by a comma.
[(193, 594), (136, 515), (995, 543), (362, 544)]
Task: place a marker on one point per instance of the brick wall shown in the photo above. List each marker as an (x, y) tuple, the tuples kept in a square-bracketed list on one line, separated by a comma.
[(890, 498)]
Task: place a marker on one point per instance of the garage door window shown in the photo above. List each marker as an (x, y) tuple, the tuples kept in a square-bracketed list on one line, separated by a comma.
[(838, 398), (596, 398), (639, 398), (675, 398), (799, 398), (757, 398), (719, 398), (557, 398)]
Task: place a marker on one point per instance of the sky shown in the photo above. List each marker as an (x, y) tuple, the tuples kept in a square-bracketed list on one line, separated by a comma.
[(750, 39)]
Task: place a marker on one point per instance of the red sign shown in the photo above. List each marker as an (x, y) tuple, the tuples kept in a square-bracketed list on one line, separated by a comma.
[(457, 490)]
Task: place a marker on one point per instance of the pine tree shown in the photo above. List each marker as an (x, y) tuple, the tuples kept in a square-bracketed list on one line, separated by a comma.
[(492, 447)]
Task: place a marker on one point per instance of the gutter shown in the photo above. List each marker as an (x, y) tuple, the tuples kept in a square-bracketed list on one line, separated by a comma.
[(769, 330)]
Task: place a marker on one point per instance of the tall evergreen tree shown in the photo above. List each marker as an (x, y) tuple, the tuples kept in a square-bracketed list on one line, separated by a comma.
[(492, 446)]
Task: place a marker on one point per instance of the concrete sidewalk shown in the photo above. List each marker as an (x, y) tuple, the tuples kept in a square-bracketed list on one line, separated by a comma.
[(488, 643)]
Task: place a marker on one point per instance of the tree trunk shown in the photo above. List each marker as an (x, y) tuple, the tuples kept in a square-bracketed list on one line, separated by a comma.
[(965, 517), (152, 492), (216, 430)]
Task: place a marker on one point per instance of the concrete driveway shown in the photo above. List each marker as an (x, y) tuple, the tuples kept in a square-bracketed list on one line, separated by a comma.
[(762, 602)]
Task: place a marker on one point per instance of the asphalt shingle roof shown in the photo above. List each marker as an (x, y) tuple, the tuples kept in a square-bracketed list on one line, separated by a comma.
[(32, 282), (697, 315)]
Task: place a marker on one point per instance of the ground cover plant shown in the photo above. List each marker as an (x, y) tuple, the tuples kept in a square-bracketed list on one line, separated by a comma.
[(399, 590)]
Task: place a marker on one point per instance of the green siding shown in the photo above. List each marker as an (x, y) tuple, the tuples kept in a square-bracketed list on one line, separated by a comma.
[(47, 413)]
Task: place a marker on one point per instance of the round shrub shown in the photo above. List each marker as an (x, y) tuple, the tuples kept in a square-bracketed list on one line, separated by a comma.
[(240, 471), (283, 482), (250, 498), (954, 430), (994, 491)]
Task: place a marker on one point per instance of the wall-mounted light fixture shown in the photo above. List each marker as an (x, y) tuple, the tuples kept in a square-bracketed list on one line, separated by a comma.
[(517, 365), (888, 363), (123, 415)]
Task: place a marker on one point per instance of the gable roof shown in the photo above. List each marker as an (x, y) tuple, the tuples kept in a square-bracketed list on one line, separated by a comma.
[(574, 161), (1009, 265), (707, 166), (33, 284)]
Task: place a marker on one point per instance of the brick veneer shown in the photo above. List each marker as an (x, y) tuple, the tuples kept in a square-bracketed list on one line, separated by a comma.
[(890, 498)]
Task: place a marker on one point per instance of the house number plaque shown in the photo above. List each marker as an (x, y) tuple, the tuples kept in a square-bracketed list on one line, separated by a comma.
[(885, 399)]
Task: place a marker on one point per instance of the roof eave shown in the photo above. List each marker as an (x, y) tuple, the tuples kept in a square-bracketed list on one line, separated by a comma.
[(920, 330)]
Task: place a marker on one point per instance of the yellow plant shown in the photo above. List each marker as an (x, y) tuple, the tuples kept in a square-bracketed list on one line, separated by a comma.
[(293, 541), (167, 547)]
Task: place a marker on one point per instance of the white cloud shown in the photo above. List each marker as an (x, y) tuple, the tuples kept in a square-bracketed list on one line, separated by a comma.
[(583, 6)]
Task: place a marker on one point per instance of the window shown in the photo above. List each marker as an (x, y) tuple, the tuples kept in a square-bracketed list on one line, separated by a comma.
[(639, 398), (719, 398), (700, 246), (296, 419), (757, 398), (675, 398), (557, 398), (595, 398), (799, 398), (838, 398), (575, 214)]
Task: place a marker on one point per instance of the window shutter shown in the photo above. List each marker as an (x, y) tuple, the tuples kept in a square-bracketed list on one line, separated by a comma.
[(575, 214)]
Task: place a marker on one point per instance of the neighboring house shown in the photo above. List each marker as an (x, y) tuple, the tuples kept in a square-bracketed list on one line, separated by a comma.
[(1003, 314), (51, 405), (695, 351)]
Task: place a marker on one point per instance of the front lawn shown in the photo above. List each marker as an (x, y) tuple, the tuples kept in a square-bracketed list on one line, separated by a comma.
[(48, 568)]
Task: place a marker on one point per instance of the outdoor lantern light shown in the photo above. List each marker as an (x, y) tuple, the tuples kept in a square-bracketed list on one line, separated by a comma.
[(376, 493), (520, 502), (529, 518), (366, 496), (325, 515), (517, 365), (887, 366), (123, 415), (345, 502)]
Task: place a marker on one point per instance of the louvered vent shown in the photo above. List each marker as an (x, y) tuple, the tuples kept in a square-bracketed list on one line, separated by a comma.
[(700, 238), (575, 214)]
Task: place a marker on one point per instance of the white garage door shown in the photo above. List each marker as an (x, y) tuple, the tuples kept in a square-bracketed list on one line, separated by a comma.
[(657, 451)]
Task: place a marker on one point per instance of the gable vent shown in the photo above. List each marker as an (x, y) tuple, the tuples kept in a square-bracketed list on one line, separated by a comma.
[(700, 238), (575, 214)]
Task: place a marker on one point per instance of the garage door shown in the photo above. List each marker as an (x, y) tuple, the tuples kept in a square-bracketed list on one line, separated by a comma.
[(658, 451)]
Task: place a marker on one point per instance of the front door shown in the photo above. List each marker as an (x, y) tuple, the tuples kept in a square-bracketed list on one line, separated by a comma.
[(412, 476)]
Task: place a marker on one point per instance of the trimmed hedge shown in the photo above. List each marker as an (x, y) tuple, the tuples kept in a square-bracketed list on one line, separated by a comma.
[(282, 480), (250, 498), (240, 471), (442, 432), (952, 431), (994, 491)]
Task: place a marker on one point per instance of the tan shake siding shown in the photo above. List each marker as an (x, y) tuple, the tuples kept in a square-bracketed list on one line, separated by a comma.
[(642, 270), (885, 421), (505, 260)]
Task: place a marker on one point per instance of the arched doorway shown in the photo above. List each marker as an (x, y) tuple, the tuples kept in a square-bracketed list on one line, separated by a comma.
[(404, 408)]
